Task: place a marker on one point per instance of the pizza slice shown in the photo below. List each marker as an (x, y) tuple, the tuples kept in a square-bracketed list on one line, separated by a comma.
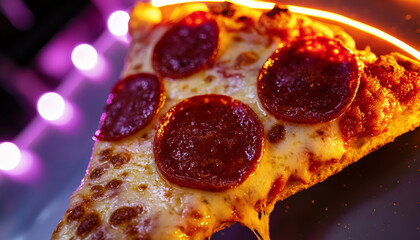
[(222, 111)]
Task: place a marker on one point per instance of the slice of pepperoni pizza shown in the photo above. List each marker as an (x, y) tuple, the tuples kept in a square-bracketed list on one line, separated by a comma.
[(222, 111)]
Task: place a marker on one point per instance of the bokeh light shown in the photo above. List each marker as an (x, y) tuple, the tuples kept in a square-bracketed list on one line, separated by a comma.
[(100, 71), (51, 106), (118, 23), (28, 170), (84, 56), (10, 156)]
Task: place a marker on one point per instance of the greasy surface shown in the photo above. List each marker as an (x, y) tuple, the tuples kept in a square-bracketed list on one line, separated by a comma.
[(173, 212), (132, 104), (187, 47), (312, 80), (209, 142)]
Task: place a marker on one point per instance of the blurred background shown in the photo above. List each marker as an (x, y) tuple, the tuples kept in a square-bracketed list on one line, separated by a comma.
[(37, 43)]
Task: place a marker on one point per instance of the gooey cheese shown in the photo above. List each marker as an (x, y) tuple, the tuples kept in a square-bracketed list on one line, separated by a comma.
[(173, 212)]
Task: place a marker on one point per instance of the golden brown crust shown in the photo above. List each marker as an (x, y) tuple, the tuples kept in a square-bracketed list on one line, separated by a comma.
[(402, 121), (405, 123)]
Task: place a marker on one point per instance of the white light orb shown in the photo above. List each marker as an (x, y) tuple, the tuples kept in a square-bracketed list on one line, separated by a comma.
[(84, 57), (118, 23), (51, 106), (10, 156)]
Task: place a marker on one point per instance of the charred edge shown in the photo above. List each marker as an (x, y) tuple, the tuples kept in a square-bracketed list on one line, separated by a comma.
[(225, 10), (277, 11)]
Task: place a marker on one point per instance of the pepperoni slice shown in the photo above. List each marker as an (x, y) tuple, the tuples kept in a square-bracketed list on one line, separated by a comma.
[(209, 142), (132, 104), (187, 47), (310, 81)]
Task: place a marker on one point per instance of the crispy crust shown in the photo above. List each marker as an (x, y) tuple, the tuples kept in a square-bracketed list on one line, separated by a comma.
[(400, 125), (402, 122)]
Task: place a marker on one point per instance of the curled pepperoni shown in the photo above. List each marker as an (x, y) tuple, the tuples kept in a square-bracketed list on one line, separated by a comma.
[(209, 142), (310, 81), (132, 104), (187, 47)]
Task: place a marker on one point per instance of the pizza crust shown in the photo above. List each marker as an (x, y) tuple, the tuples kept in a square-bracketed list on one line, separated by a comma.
[(402, 124), (123, 194)]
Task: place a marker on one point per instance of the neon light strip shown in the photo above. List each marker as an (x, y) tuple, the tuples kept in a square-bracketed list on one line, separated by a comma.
[(247, 3), (161, 3), (353, 23), (311, 12)]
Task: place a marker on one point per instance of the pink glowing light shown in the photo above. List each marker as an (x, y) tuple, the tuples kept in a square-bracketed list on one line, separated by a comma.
[(69, 119), (84, 57), (118, 23), (100, 70), (51, 106), (10, 156), (28, 170)]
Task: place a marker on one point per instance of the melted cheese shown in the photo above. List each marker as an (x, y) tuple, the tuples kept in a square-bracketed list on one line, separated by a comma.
[(289, 157), (175, 212)]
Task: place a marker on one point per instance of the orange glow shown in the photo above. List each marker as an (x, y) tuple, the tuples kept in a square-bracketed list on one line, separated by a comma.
[(146, 12), (353, 23), (310, 12), (247, 3), (161, 3)]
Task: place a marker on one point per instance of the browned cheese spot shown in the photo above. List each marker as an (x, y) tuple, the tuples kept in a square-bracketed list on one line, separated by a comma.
[(139, 230), (132, 229), (105, 155), (209, 78), (142, 187), (113, 184), (246, 59), (96, 173), (276, 133), (168, 193), (99, 235), (120, 159), (97, 191), (124, 175), (194, 220), (77, 213), (320, 132), (124, 214), (88, 224), (147, 168), (196, 214), (138, 66), (237, 38)]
